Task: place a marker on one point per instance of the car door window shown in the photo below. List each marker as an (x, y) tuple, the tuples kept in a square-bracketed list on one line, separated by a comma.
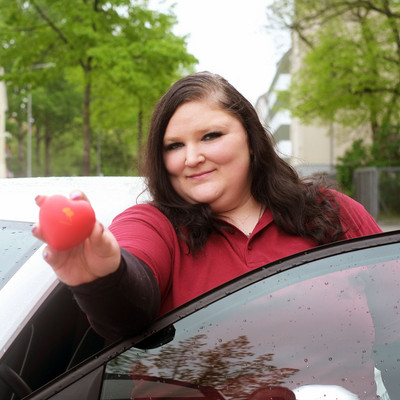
[(327, 328), (17, 244)]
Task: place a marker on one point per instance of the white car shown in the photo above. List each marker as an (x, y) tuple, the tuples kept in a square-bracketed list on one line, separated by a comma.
[(26, 281), (322, 324)]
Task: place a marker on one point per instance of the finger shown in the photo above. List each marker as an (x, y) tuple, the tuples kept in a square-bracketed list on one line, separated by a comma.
[(52, 257), (78, 195), (39, 199), (97, 233), (105, 246), (37, 232), (103, 241), (56, 260)]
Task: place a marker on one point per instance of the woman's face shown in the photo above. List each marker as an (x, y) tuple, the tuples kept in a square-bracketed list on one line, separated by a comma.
[(207, 157)]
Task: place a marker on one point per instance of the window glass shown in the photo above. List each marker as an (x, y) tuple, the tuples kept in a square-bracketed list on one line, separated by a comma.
[(327, 328), (17, 244)]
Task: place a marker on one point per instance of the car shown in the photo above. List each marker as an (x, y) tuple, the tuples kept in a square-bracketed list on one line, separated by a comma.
[(321, 324), (31, 300)]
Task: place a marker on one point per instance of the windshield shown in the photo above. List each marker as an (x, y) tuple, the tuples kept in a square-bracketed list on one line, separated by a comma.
[(17, 244), (326, 329)]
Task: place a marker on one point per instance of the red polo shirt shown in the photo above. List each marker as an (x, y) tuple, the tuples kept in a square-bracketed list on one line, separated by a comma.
[(148, 234)]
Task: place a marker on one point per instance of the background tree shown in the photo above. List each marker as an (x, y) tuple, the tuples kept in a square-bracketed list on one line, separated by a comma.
[(105, 49), (56, 112), (350, 72), (16, 125)]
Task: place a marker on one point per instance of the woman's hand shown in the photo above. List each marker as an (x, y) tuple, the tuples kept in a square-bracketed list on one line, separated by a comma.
[(99, 255)]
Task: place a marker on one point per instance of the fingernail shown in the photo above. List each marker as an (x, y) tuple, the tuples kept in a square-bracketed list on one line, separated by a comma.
[(34, 227), (45, 255), (75, 195)]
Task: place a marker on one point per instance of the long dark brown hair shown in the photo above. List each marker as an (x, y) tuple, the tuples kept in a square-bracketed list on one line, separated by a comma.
[(301, 208)]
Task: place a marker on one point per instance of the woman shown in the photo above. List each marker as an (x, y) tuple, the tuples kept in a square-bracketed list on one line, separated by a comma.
[(223, 203)]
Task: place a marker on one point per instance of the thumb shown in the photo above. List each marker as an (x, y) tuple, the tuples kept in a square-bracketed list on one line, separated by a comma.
[(103, 241)]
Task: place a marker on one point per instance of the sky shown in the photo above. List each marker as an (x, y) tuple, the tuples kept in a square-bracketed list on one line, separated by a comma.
[(229, 37)]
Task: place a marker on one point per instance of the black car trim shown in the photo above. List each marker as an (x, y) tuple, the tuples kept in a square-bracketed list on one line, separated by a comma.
[(287, 263)]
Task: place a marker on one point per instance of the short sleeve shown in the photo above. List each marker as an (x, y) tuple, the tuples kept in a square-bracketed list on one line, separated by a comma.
[(147, 234)]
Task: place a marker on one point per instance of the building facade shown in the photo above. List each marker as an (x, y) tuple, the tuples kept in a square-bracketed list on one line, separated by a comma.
[(311, 149), (271, 113)]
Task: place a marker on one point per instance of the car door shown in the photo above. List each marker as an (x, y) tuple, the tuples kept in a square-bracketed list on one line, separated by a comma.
[(43, 333), (322, 324)]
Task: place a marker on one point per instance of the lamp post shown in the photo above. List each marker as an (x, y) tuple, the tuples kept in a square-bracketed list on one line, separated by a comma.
[(30, 120)]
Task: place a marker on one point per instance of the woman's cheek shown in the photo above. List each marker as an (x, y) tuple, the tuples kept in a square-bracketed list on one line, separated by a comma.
[(174, 162)]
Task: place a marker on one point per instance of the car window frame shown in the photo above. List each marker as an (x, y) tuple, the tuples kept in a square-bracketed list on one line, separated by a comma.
[(160, 331)]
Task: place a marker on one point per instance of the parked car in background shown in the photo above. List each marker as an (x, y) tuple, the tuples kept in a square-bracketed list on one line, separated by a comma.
[(322, 324)]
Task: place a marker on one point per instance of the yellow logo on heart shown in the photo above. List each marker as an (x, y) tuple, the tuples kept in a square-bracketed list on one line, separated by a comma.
[(68, 213)]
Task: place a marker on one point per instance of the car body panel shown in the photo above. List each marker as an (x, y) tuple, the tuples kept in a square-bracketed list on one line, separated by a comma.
[(225, 313)]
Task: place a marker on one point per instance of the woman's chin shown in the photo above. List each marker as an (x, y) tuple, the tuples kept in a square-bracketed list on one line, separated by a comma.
[(202, 197)]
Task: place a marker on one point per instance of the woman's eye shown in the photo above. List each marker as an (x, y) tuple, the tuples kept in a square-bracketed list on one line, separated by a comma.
[(172, 146), (212, 135)]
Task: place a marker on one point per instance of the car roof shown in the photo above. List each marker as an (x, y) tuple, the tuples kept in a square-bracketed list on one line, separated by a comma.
[(108, 195)]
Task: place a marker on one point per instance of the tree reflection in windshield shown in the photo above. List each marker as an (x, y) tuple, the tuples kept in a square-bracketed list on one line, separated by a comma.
[(230, 367)]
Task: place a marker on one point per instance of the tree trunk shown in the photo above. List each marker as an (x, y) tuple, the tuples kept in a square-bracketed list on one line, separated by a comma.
[(37, 149), (140, 139), (86, 128), (21, 158), (21, 155), (47, 152)]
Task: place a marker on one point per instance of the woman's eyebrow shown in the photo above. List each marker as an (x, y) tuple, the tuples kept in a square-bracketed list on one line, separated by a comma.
[(172, 139)]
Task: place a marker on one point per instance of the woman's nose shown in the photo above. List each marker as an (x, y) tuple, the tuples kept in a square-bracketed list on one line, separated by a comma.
[(193, 156)]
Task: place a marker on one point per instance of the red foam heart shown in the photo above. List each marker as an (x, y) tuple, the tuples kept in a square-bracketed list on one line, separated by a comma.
[(65, 223)]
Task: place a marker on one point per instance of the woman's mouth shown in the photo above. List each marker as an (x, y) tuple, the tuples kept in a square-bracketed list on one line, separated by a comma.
[(200, 175)]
